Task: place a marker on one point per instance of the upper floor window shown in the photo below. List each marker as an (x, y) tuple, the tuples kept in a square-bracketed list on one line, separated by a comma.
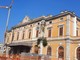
[(30, 33), (61, 19), (17, 35), (12, 35), (38, 23), (23, 34), (49, 32), (50, 22), (61, 30), (37, 32), (30, 25), (0, 47), (77, 32), (7, 38)]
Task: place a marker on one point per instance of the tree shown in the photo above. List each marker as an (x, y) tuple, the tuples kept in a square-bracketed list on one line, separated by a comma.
[(43, 39)]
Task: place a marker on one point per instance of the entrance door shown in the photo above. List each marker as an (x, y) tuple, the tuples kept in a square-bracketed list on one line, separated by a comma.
[(61, 53), (78, 53)]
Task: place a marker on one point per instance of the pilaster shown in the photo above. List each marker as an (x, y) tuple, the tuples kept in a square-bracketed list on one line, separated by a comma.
[(74, 26), (68, 36)]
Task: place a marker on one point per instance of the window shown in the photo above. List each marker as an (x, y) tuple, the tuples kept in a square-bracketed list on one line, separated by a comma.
[(49, 32), (50, 22), (12, 36), (36, 49), (61, 30), (77, 32), (37, 33), (7, 38), (17, 35), (30, 25), (30, 33), (38, 23), (61, 52), (49, 51), (61, 19), (0, 47), (23, 34), (78, 53)]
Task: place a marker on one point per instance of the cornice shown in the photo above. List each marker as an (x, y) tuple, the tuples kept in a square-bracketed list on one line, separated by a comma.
[(46, 18)]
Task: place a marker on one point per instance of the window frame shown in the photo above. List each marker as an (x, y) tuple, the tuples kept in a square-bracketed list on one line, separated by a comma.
[(49, 51), (37, 32), (49, 31), (29, 36), (59, 30), (61, 52)]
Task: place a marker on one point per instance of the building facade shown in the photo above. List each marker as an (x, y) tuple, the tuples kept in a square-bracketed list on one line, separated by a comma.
[(62, 32), (2, 49)]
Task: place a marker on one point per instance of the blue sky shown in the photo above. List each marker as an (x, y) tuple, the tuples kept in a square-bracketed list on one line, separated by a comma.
[(34, 9)]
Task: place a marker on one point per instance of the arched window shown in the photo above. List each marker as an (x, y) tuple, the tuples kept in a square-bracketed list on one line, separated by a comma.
[(78, 53), (49, 50), (36, 49), (61, 52)]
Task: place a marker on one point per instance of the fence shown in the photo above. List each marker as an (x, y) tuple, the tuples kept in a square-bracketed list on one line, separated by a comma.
[(23, 57)]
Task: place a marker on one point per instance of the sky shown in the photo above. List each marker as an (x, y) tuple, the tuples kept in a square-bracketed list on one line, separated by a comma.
[(33, 9)]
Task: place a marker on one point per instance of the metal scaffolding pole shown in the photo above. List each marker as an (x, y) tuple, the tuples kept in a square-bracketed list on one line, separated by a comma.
[(9, 9)]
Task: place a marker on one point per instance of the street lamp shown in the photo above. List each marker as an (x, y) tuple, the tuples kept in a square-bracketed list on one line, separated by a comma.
[(9, 8)]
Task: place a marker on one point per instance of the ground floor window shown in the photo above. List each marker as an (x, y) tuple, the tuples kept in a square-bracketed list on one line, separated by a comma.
[(61, 52), (49, 51), (78, 53), (36, 49)]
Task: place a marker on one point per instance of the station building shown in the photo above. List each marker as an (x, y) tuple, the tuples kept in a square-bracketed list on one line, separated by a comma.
[(61, 31)]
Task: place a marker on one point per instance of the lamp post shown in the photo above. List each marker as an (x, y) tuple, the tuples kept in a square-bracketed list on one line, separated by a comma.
[(7, 49), (9, 8)]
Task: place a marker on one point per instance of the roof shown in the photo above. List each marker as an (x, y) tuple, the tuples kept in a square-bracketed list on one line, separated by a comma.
[(20, 44), (46, 18)]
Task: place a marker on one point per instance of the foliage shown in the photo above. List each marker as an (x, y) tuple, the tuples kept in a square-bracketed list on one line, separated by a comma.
[(43, 40)]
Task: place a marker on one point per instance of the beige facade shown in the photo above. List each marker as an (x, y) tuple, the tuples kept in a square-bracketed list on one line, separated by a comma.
[(61, 31)]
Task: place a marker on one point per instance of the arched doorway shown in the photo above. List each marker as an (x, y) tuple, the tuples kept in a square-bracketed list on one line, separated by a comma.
[(49, 51), (78, 53), (60, 53)]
